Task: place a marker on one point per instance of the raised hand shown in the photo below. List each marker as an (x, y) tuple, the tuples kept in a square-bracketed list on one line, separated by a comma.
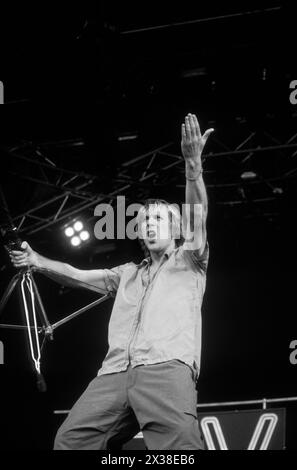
[(193, 142)]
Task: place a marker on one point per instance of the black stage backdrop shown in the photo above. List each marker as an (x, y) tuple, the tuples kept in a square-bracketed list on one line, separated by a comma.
[(95, 86)]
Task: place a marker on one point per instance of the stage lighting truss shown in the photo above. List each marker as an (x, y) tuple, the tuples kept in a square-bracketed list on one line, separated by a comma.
[(256, 170)]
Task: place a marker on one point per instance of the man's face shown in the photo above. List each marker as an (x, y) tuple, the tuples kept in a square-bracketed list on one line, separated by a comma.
[(155, 228)]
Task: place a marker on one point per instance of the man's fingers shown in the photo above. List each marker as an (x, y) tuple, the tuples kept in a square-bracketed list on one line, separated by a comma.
[(188, 128), (197, 125), (19, 257), (16, 252), (20, 265), (19, 254), (183, 132), (207, 134), (19, 261), (193, 126)]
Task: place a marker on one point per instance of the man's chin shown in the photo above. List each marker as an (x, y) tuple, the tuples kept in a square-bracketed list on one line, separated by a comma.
[(153, 245)]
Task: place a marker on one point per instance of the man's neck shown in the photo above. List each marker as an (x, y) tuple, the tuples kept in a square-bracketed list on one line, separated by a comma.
[(156, 256)]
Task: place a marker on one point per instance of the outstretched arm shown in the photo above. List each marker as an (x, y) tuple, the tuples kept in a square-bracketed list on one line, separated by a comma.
[(61, 272), (192, 145)]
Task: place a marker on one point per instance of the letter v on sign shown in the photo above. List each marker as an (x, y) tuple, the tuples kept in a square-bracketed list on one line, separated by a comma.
[(211, 424)]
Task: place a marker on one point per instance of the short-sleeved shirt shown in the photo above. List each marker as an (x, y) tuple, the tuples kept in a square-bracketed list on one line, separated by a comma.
[(159, 319)]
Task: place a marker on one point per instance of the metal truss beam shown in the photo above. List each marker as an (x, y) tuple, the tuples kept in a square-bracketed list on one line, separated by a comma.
[(202, 20), (72, 197)]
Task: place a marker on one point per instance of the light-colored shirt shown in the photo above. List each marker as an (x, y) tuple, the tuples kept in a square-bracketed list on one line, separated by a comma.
[(159, 319)]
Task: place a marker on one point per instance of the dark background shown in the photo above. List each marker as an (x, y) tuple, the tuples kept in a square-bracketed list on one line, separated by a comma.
[(80, 79)]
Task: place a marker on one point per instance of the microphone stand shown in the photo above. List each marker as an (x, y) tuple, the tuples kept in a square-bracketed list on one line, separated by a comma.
[(32, 302), (30, 297)]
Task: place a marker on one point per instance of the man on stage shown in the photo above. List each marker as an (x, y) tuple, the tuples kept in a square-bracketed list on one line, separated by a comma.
[(148, 378)]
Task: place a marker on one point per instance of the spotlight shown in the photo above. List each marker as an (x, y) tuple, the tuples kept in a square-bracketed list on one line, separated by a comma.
[(78, 226), (75, 241), (84, 235), (76, 233), (69, 232)]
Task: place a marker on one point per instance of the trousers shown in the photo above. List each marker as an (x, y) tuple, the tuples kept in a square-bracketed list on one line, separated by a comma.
[(158, 399)]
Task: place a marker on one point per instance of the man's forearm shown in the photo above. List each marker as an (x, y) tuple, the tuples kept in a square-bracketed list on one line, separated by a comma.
[(195, 187), (54, 269), (67, 275)]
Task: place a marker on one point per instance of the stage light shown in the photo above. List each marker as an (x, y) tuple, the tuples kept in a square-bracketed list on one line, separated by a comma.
[(76, 233), (69, 232), (78, 226), (248, 175), (84, 235), (75, 241)]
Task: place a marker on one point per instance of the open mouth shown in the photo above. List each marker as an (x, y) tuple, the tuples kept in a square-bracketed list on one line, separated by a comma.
[(151, 234)]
